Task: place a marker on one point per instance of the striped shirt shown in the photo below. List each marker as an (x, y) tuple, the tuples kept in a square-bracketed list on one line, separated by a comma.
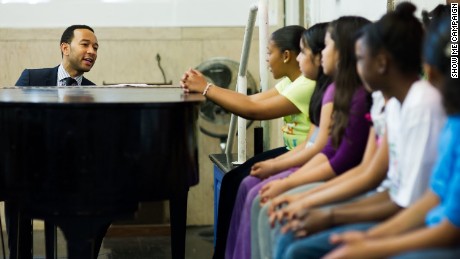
[(62, 74)]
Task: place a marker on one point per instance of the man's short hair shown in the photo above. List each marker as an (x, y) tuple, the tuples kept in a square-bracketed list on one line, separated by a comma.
[(67, 36)]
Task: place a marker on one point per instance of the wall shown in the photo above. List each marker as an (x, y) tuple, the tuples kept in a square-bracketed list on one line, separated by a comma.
[(327, 10), (127, 13), (426, 5), (125, 55)]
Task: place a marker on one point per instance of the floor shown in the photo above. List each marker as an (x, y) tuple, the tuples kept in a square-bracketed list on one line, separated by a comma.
[(199, 245)]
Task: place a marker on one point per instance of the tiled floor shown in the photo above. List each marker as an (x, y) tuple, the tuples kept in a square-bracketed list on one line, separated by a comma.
[(199, 245)]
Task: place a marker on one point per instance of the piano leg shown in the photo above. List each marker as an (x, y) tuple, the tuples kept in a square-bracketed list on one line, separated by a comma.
[(19, 228), (178, 214), (50, 240), (83, 235)]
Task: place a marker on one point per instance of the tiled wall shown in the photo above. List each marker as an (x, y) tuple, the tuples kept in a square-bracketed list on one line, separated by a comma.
[(129, 55)]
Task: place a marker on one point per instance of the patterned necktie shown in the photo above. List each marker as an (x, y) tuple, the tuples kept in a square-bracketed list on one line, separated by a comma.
[(68, 81)]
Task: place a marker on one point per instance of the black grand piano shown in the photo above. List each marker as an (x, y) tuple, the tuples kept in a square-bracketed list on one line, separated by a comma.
[(81, 157)]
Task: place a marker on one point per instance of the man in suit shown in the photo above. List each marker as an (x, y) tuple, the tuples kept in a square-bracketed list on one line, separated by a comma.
[(79, 47), (79, 53)]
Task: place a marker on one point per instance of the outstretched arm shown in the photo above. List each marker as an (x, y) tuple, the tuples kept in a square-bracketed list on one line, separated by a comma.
[(261, 106)]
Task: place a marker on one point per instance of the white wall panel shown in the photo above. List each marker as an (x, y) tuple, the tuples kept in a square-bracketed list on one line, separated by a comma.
[(127, 13), (328, 10)]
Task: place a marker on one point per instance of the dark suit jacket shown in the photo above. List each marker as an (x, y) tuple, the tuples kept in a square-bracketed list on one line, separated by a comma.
[(43, 77)]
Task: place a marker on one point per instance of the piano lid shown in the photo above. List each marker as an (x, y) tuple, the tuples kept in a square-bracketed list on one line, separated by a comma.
[(96, 95)]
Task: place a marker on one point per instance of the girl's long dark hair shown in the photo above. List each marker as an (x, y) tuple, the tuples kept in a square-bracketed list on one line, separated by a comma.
[(313, 37), (346, 78)]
